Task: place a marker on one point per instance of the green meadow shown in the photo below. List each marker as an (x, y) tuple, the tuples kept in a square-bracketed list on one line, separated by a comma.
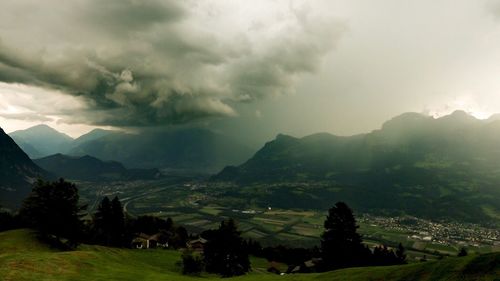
[(22, 257)]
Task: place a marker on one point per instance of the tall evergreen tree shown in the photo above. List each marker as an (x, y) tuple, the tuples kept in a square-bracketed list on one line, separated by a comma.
[(401, 254), (52, 209), (462, 252), (225, 253), (341, 245), (117, 222), (101, 222), (109, 223)]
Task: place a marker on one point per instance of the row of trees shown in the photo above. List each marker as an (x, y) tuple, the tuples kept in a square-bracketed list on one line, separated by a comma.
[(53, 210), (111, 227)]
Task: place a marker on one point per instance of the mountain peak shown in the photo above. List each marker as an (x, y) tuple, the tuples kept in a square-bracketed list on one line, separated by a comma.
[(40, 130), (281, 136), (461, 114), (404, 120), (458, 116), (41, 140)]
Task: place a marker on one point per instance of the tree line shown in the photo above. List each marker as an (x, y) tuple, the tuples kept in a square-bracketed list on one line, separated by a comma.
[(53, 210)]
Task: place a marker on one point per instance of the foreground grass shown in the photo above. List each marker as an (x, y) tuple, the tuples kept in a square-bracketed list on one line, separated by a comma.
[(22, 257)]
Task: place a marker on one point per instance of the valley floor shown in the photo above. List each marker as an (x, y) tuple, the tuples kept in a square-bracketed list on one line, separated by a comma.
[(198, 207), (22, 257)]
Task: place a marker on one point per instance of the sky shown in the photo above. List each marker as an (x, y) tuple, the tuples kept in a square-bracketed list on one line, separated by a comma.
[(247, 68)]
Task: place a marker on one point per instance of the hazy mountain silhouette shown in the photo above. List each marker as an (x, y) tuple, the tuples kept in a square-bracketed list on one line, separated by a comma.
[(89, 168), (189, 149), (41, 140), (90, 136)]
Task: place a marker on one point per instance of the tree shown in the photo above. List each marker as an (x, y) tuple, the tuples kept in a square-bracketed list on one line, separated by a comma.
[(52, 209), (341, 245), (180, 237), (383, 256), (462, 252), (117, 223), (7, 220), (101, 222), (109, 223), (401, 254), (191, 264), (225, 253)]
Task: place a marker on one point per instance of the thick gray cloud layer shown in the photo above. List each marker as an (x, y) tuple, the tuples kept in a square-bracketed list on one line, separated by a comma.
[(143, 63)]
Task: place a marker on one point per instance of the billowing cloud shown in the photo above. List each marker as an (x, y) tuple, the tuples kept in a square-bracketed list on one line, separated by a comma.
[(138, 63)]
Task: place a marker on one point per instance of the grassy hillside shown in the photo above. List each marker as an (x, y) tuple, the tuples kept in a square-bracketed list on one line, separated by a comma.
[(23, 258)]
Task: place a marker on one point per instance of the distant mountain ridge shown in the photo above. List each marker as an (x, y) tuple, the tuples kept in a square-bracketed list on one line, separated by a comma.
[(17, 172), (195, 149), (87, 168), (414, 164), (90, 136), (41, 140), (188, 148)]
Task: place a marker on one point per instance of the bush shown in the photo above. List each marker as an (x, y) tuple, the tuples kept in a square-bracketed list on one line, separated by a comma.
[(191, 264)]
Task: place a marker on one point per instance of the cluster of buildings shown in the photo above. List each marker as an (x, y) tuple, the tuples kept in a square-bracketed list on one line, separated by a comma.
[(443, 232)]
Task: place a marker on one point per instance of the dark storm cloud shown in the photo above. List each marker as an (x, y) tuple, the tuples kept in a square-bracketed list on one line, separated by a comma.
[(142, 63)]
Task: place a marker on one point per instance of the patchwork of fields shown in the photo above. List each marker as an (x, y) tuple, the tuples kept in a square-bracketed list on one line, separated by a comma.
[(199, 208)]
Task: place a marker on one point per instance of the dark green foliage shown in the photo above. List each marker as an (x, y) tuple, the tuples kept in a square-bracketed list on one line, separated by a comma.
[(383, 256), (341, 245), (462, 252), (8, 221), (253, 247), (225, 253), (191, 264), (52, 209), (288, 255), (146, 224), (109, 223), (180, 237), (401, 254)]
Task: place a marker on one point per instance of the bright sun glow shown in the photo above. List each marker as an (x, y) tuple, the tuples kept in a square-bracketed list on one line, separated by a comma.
[(467, 104)]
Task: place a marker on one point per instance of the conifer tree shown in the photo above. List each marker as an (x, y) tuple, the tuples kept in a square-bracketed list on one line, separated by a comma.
[(225, 253), (52, 209), (341, 245), (117, 221)]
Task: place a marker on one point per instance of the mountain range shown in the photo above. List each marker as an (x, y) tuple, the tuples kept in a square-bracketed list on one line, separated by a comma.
[(88, 168), (415, 164), (191, 149), (17, 172), (41, 140), (438, 168)]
